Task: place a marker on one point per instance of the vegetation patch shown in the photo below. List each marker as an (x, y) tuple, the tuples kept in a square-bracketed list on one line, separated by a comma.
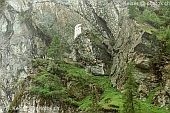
[(157, 18), (86, 92), (1, 1), (151, 95), (149, 108), (47, 85)]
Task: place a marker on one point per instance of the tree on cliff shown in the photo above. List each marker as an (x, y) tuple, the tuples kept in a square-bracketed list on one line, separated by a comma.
[(130, 88), (55, 50)]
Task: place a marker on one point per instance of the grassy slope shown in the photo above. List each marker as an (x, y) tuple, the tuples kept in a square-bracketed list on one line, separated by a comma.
[(110, 99)]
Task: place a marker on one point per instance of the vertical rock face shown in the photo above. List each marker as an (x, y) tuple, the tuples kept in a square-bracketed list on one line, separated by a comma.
[(27, 27), (16, 41)]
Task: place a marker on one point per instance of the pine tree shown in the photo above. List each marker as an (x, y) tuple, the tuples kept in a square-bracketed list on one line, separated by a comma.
[(130, 91), (55, 50), (94, 99)]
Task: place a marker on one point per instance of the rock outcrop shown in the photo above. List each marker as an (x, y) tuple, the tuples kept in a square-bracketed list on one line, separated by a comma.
[(89, 49)]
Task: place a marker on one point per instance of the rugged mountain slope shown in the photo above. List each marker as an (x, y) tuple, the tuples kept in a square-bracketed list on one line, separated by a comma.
[(108, 41)]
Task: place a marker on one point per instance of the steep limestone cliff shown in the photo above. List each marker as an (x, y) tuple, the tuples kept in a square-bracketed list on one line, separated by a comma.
[(108, 38)]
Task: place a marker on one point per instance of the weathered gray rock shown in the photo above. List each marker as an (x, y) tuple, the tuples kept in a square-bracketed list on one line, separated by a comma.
[(16, 52), (34, 104), (134, 44), (90, 51), (161, 97)]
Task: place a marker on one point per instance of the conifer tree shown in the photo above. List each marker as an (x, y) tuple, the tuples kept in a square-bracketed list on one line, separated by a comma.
[(94, 99), (130, 90), (55, 50)]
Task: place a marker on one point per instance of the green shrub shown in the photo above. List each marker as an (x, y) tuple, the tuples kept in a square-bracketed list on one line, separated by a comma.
[(168, 46), (151, 94), (151, 18), (39, 62), (133, 11), (48, 86), (1, 1), (164, 35)]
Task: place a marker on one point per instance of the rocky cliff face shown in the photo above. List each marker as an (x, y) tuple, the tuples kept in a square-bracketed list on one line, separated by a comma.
[(108, 38)]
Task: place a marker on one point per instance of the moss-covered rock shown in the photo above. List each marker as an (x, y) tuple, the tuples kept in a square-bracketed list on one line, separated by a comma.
[(93, 53)]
